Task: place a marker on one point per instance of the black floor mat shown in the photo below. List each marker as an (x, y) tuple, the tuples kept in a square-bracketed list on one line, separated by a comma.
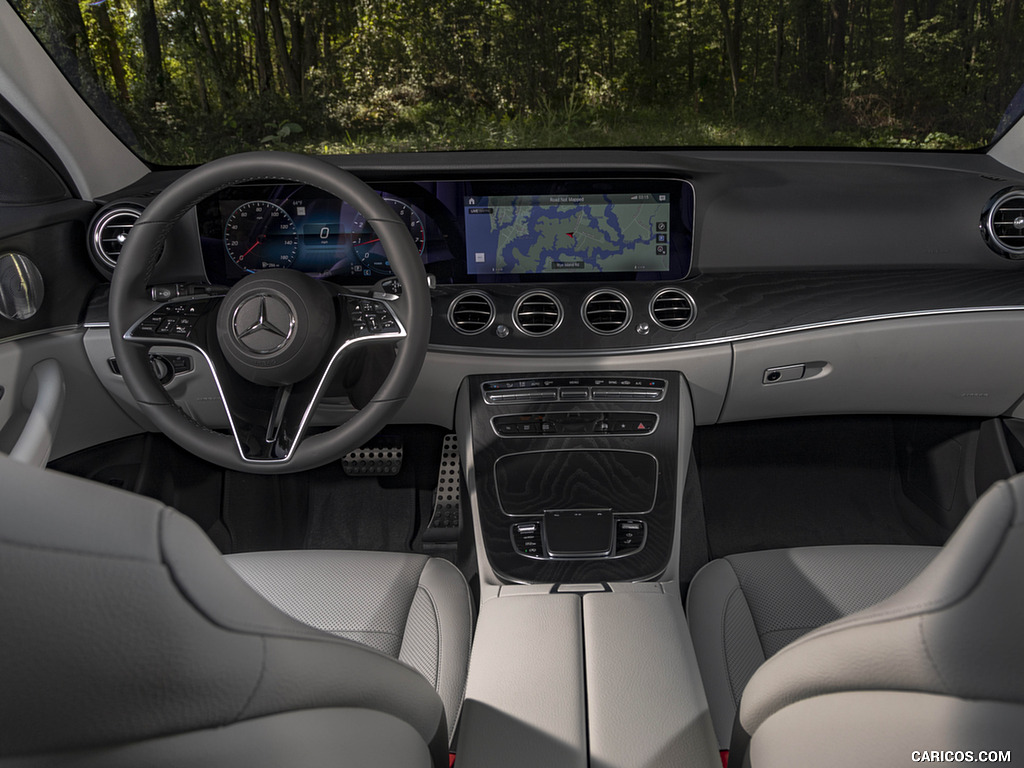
[(801, 482), (357, 513)]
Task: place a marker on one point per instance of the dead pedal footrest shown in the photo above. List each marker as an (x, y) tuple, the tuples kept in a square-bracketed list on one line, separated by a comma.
[(447, 513), (381, 459)]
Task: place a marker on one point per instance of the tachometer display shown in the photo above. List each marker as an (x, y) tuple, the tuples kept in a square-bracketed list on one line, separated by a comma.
[(366, 244), (260, 235)]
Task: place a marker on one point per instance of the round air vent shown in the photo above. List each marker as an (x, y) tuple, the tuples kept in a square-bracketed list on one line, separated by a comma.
[(606, 312), (537, 313), (1002, 224), (471, 312), (108, 232), (672, 309)]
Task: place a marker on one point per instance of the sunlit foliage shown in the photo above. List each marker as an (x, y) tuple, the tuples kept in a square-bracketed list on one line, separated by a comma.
[(186, 80)]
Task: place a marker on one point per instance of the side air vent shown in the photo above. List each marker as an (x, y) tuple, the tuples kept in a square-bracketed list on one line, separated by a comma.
[(537, 313), (606, 312), (1002, 223), (108, 232), (672, 309), (471, 312)]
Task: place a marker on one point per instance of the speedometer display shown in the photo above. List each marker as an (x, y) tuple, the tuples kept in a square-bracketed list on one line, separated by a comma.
[(260, 235), (368, 250)]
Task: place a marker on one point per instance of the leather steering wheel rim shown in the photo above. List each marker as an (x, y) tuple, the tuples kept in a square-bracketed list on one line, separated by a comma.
[(129, 301)]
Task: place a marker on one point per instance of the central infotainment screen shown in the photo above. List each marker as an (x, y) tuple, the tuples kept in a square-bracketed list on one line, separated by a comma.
[(567, 233)]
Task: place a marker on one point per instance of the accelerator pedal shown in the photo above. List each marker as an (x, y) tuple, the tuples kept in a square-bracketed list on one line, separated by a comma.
[(441, 538), (381, 458)]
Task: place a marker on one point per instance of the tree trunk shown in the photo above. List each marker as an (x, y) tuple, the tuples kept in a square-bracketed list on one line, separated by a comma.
[(646, 38), (284, 61), (899, 36), (809, 12), (204, 102), (260, 46), (110, 49), (69, 41), (838, 11), (780, 38), (152, 56), (690, 62), (214, 56), (1006, 61), (732, 29)]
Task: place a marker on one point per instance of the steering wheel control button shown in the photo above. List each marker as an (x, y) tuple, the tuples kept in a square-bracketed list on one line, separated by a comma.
[(370, 317), (276, 326), (263, 323), (175, 320)]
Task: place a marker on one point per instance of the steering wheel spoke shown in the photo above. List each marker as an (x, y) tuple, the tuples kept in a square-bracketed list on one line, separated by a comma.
[(270, 422)]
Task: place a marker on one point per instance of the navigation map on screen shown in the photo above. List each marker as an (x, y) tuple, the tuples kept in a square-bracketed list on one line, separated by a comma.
[(567, 233)]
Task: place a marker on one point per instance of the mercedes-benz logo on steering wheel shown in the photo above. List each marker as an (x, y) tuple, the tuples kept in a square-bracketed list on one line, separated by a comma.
[(263, 323)]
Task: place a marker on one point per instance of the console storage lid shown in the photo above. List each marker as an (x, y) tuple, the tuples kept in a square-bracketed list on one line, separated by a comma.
[(598, 675)]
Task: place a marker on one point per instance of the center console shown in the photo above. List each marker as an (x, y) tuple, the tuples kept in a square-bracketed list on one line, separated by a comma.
[(582, 656), (576, 475)]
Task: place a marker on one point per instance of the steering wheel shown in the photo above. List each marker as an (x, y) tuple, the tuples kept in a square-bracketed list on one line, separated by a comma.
[(277, 337)]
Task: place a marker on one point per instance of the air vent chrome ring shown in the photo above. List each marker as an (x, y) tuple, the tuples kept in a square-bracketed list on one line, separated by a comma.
[(672, 309), (606, 312), (471, 312), (108, 231), (537, 313), (1002, 223)]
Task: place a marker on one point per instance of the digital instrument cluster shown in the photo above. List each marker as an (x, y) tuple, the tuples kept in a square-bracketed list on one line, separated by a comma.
[(250, 228)]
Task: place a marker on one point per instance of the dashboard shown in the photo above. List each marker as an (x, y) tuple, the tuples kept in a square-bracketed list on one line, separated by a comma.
[(795, 283)]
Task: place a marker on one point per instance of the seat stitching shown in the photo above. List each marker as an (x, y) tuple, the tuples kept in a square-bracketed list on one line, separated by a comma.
[(437, 624), (725, 654), (928, 654), (359, 631), (259, 680), (807, 627), (76, 552)]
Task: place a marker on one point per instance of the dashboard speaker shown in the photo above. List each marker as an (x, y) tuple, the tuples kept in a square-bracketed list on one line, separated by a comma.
[(21, 286)]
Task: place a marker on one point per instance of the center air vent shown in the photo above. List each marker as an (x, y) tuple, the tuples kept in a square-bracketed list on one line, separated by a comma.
[(108, 232), (672, 309), (537, 313), (471, 312), (1002, 224), (607, 312)]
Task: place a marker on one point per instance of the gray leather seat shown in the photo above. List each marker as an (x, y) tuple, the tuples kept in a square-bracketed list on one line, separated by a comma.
[(865, 654), (743, 609), (412, 608), (128, 640)]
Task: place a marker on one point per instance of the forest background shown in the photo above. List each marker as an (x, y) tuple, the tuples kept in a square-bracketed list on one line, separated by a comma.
[(188, 80)]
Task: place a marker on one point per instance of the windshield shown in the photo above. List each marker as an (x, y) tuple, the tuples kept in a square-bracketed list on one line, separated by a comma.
[(184, 81)]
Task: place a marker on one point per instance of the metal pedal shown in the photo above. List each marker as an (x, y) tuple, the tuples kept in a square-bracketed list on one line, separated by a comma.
[(447, 515), (383, 459)]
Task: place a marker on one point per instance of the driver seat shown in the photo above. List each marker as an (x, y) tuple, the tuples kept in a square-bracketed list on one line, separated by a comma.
[(129, 640)]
